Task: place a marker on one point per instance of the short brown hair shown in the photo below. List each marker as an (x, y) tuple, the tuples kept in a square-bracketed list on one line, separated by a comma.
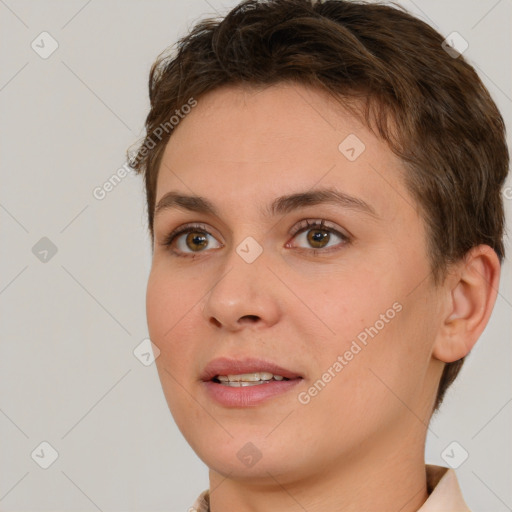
[(428, 105)]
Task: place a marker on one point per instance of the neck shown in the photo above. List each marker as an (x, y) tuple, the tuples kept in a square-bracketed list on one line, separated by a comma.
[(388, 475)]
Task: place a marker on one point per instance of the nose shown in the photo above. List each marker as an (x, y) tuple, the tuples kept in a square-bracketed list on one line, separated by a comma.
[(245, 295)]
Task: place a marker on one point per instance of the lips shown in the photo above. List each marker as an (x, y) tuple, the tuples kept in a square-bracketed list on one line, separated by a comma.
[(226, 366), (240, 392)]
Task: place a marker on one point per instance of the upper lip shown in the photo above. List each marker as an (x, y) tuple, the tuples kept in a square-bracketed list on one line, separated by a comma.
[(227, 366)]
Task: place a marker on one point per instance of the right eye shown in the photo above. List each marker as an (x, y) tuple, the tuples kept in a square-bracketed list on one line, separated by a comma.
[(191, 239)]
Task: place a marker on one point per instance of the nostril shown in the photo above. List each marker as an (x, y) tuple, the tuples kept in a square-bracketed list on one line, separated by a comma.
[(250, 318), (215, 322), (243, 319)]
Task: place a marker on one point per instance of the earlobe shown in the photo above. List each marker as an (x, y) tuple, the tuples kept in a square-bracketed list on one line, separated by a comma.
[(471, 291)]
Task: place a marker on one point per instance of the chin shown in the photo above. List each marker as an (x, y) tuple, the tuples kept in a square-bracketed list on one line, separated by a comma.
[(253, 458)]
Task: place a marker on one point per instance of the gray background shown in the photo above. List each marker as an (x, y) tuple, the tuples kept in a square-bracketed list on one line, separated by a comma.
[(70, 324)]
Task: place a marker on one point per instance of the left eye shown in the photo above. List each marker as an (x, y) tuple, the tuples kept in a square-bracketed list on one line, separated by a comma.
[(319, 236)]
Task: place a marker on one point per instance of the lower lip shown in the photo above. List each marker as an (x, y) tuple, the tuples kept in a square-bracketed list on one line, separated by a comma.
[(248, 396)]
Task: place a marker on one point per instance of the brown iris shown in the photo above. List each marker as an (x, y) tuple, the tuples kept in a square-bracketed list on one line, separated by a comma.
[(196, 240), (318, 238)]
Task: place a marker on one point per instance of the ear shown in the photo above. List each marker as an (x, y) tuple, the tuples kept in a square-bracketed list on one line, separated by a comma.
[(470, 292)]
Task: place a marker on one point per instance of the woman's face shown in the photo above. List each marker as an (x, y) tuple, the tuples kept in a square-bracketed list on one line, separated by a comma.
[(343, 313)]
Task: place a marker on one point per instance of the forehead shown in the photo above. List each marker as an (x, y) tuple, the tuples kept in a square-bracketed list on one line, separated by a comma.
[(241, 145)]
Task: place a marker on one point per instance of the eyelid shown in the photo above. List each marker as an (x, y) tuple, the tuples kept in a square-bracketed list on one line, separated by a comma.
[(319, 224), (168, 239), (183, 227)]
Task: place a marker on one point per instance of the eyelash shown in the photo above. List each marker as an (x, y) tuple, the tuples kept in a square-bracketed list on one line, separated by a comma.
[(304, 225)]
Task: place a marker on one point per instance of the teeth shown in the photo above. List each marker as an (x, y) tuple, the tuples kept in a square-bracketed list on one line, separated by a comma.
[(242, 383), (248, 378)]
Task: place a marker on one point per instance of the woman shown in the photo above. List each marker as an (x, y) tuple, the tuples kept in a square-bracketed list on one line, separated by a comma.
[(321, 262)]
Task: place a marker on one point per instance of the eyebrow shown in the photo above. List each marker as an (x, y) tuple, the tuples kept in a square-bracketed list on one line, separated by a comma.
[(280, 206)]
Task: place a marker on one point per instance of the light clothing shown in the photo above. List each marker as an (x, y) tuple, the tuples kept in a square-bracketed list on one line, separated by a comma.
[(444, 493)]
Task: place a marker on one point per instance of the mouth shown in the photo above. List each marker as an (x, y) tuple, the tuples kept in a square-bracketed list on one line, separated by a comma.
[(247, 382), (248, 379)]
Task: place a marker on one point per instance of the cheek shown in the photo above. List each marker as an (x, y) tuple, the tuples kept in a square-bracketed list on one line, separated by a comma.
[(349, 300), (169, 311), (382, 333), (371, 383), (167, 301)]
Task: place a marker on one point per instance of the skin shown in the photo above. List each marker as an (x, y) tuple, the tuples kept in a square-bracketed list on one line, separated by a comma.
[(365, 431)]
